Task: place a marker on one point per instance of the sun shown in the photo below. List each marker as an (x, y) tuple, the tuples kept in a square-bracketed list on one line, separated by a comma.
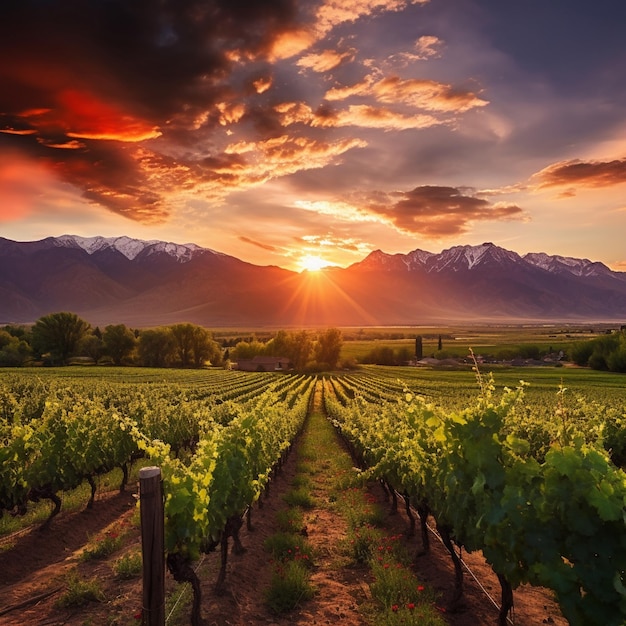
[(312, 263)]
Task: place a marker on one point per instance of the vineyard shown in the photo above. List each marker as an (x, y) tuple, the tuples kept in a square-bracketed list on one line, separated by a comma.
[(527, 474)]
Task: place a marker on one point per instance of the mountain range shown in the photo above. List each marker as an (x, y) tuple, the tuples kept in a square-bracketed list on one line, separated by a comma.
[(150, 283)]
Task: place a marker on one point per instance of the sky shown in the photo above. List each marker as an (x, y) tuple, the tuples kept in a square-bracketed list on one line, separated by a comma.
[(289, 132)]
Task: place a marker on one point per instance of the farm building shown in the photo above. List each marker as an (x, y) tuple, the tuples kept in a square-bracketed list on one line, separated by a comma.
[(264, 364)]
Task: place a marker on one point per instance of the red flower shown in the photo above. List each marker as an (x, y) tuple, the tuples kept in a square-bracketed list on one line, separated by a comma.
[(420, 587), (410, 606), (394, 608), (138, 615)]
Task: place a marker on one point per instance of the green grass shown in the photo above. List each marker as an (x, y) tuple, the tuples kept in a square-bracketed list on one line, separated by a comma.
[(289, 546), (128, 566), (102, 547), (289, 587), (79, 592)]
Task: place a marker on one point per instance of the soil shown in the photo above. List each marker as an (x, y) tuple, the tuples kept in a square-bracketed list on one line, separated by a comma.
[(34, 565)]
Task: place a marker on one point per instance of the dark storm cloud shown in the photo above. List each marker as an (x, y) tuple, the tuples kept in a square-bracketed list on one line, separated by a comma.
[(434, 211), (99, 76)]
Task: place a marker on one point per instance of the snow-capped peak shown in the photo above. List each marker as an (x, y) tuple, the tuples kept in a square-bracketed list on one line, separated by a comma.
[(469, 257), (559, 264), (129, 247)]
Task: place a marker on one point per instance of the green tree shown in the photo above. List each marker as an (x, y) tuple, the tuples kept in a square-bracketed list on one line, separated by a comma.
[(380, 355), (204, 348), (59, 335), (92, 346), (247, 350), (280, 345), (195, 345), (183, 342), (119, 342), (301, 349), (328, 347), (14, 351), (156, 347), (419, 348), (581, 351)]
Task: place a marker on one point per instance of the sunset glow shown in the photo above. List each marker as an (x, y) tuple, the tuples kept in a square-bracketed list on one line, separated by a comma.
[(311, 263), (313, 133)]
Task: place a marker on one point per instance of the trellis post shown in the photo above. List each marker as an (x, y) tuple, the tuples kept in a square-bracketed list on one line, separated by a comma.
[(152, 546)]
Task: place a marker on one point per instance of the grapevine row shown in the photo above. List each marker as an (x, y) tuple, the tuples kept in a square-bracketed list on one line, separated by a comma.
[(55, 434), (206, 497), (557, 522)]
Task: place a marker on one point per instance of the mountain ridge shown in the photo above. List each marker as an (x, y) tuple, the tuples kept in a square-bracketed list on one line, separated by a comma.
[(146, 283)]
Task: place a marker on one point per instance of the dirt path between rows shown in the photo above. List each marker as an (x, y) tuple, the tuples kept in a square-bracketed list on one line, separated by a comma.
[(37, 563)]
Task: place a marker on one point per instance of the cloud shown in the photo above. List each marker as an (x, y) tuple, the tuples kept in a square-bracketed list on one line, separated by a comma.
[(332, 13), (279, 156), (326, 60), (436, 212), (371, 117), (258, 244), (427, 47), (89, 80), (578, 173), (323, 243), (337, 209), (418, 93), (21, 179)]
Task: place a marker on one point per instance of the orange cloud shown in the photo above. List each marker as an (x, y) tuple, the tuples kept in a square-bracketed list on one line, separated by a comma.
[(334, 12), (88, 117), (323, 243), (423, 94), (583, 174), (427, 46), (294, 113), (325, 61), (261, 85), (230, 113), (22, 182), (258, 244), (290, 43), (63, 145), (437, 211), (15, 131), (372, 117), (285, 155)]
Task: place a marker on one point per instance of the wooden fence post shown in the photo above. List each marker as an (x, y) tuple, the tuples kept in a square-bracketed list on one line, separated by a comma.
[(152, 546)]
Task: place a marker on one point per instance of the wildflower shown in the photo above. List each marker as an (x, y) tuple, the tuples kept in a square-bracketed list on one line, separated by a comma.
[(410, 606), (394, 608), (420, 587)]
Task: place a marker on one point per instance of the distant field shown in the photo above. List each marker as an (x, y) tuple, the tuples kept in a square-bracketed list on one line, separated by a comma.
[(457, 341), (444, 385)]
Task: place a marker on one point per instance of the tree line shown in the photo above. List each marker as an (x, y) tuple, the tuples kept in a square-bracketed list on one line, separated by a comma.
[(607, 352), (59, 338)]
